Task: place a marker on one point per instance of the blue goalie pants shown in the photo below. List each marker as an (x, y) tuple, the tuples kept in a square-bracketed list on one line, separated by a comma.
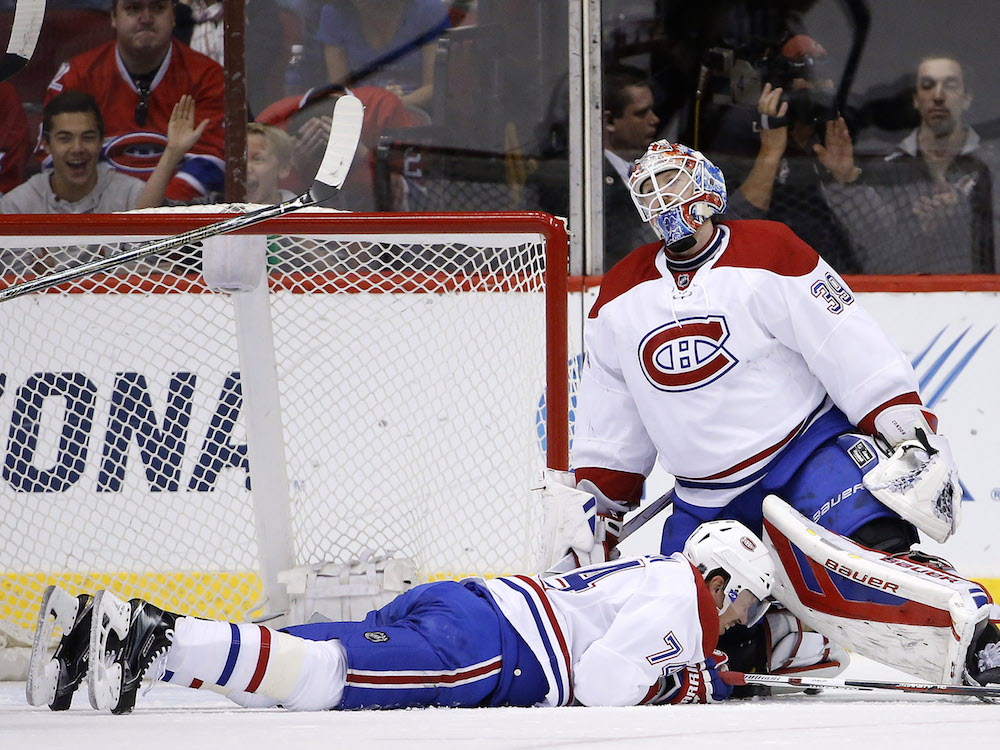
[(438, 644), (820, 474)]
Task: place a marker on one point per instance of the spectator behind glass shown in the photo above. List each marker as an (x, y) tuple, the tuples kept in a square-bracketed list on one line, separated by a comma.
[(14, 147), (269, 161), (202, 29), (199, 24), (77, 182), (307, 119), (385, 43), (784, 182), (931, 205), (629, 125), (137, 79)]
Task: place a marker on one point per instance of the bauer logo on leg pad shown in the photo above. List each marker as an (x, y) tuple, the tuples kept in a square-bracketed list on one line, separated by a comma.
[(377, 636)]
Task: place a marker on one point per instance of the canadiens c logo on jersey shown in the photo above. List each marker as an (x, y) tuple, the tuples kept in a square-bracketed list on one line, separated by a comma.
[(135, 154), (686, 354)]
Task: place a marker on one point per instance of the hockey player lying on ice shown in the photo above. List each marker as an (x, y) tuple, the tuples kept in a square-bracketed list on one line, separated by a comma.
[(735, 356), (636, 630)]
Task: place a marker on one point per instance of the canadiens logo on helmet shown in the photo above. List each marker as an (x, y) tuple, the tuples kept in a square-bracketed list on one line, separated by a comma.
[(686, 354), (748, 543)]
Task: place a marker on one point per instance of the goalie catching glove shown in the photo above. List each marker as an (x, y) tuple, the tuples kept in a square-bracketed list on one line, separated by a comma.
[(919, 480), (581, 524)]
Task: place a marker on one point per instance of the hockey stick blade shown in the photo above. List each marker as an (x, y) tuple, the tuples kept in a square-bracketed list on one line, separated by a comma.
[(24, 31), (333, 171), (345, 132), (972, 691)]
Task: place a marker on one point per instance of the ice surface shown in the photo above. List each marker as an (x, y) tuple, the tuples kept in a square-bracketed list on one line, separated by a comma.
[(174, 717)]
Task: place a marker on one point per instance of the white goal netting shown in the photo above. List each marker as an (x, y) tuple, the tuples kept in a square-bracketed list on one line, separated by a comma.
[(411, 354)]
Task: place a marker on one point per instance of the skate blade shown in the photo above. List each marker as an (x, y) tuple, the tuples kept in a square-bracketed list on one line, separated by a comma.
[(58, 610), (104, 680)]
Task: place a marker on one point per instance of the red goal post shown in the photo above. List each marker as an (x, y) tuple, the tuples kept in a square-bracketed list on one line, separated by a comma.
[(419, 368)]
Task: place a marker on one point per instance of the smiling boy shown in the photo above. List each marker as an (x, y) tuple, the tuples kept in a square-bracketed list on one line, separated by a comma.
[(78, 182)]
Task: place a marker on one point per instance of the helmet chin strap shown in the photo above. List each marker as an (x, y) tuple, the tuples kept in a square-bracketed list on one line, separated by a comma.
[(682, 245)]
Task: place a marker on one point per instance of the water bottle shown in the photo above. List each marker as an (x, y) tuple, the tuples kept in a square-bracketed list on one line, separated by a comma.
[(294, 79)]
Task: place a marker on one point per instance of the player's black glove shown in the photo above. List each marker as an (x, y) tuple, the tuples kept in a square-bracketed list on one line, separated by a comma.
[(697, 683)]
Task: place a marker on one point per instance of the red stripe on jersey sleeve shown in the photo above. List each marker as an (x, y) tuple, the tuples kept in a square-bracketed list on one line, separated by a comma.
[(867, 423), (622, 486)]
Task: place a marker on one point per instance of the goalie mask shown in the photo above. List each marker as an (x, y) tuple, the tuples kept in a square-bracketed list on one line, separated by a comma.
[(676, 189), (741, 555)]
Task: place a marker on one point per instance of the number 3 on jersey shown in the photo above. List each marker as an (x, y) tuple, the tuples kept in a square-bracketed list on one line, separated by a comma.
[(833, 292)]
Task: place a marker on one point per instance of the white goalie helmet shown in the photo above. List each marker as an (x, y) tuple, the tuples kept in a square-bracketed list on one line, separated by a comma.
[(676, 205), (742, 555)]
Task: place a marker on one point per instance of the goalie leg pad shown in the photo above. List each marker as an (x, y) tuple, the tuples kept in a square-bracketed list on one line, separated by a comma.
[(887, 534), (913, 617)]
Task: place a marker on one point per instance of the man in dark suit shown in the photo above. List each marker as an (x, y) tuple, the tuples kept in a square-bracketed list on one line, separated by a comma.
[(629, 126)]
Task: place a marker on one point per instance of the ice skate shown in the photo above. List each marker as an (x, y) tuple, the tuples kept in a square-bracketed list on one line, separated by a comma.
[(52, 680), (126, 639)]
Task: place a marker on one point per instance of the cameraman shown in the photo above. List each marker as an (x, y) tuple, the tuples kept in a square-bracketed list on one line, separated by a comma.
[(785, 181)]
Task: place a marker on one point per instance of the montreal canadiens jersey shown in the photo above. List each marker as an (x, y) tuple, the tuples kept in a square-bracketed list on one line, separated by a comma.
[(135, 150), (605, 633), (713, 372)]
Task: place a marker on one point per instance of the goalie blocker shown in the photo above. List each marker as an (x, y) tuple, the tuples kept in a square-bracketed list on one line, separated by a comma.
[(909, 612)]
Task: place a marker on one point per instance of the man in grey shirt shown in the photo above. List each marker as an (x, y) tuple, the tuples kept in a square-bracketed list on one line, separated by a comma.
[(78, 182)]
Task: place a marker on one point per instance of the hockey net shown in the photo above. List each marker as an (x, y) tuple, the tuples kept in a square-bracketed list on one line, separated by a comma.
[(421, 379)]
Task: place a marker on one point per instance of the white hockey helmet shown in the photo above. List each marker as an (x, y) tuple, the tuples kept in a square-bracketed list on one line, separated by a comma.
[(684, 201), (739, 552)]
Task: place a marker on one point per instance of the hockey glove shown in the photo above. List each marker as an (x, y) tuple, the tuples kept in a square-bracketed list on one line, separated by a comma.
[(696, 683)]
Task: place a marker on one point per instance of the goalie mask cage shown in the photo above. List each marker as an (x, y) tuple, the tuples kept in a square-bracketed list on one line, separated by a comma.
[(421, 375)]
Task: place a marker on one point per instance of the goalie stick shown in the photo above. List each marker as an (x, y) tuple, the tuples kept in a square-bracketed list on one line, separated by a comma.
[(345, 131), (974, 691), (638, 520), (24, 31), (635, 522)]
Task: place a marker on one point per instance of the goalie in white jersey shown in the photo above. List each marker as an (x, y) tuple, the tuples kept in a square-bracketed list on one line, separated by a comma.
[(737, 358), (631, 631)]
